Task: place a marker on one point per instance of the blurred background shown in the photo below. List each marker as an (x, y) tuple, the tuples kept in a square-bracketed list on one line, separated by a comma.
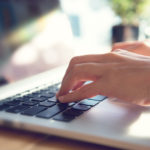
[(36, 35)]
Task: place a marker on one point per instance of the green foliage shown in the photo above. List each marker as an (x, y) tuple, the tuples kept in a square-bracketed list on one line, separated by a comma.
[(130, 11)]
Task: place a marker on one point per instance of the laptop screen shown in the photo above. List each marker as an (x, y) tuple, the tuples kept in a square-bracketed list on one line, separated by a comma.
[(32, 35)]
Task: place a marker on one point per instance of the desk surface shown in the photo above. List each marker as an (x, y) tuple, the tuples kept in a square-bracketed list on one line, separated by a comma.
[(22, 140)]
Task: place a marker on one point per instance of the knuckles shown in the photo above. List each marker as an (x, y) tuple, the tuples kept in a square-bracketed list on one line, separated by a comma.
[(143, 44), (115, 46), (75, 60), (75, 70), (112, 54)]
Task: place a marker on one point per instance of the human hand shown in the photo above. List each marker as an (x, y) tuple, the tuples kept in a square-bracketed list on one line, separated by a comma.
[(138, 47), (120, 74)]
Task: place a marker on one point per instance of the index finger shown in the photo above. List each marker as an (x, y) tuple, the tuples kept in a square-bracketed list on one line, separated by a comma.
[(82, 72)]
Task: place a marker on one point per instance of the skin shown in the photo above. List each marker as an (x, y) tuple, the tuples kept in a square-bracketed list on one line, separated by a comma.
[(123, 73), (139, 47)]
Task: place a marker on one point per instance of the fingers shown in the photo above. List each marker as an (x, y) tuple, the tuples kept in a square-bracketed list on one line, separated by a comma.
[(126, 45), (84, 59), (130, 54), (70, 83), (78, 85), (79, 73), (103, 58), (139, 47), (80, 60), (84, 92)]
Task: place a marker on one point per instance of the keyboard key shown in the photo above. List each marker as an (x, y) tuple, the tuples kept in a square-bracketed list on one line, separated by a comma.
[(16, 98), (47, 95), (63, 105), (98, 98), (26, 98), (73, 112), (53, 99), (32, 95), (47, 103), (89, 102), (13, 103), (71, 104), (66, 105), (53, 88), (4, 107), (43, 91), (35, 93), (64, 117), (46, 91), (81, 107), (30, 103), (50, 112), (7, 99), (39, 99), (33, 110), (17, 109)]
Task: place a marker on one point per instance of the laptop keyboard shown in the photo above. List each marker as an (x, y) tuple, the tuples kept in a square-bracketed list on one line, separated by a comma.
[(42, 103)]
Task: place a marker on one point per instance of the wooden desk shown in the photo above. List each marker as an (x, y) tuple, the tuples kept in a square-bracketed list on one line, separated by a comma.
[(22, 140)]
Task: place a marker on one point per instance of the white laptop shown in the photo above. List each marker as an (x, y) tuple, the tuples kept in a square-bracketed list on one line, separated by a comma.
[(30, 104)]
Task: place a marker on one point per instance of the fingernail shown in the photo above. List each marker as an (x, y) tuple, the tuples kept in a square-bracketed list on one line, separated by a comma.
[(61, 98)]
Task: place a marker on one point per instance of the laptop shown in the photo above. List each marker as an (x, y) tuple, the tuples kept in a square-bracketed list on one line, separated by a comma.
[(30, 103)]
